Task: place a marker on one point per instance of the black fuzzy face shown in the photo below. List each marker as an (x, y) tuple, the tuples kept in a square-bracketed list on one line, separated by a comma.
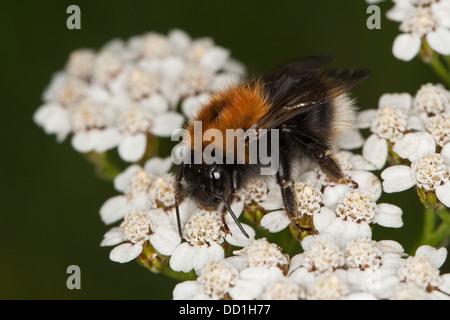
[(206, 184)]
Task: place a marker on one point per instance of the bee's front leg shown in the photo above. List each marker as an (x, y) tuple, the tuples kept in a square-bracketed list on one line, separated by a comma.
[(332, 169), (284, 180)]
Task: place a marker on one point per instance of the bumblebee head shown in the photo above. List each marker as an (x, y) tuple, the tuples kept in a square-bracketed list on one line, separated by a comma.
[(206, 184)]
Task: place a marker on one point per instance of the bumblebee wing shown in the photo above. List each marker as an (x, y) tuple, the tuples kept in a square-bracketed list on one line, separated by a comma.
[(291, 73), (302, 84)]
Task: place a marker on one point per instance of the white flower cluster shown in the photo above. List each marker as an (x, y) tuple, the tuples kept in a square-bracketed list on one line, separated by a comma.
[(362, 269), (420, 20), (146, 209), (131, 90), (416, 130), (337, 209)]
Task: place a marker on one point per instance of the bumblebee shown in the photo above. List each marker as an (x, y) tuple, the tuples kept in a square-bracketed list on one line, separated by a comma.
[(306, 103)]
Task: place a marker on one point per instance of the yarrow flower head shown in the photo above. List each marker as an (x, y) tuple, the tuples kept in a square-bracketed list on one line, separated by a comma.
[(420, 20), (146, 187), (432, 99), (283, 289), (430, 173), (308, 200), (204, 235), (215, 282), (422, 271), (204, 228), (141, 228), (357, 207), (262, 253), (439, 127), (217, 278), (363, 254), (127, 93), (322, 255), (329, 286), (390, 123), (354, 215), (255, 191)]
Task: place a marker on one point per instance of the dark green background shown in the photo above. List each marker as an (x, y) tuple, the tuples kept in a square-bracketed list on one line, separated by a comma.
[(50, 196)]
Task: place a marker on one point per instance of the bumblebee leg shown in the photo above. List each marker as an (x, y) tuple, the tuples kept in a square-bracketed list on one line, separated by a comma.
[(179, 196), (332, 170), (320, 153), (284, 180)]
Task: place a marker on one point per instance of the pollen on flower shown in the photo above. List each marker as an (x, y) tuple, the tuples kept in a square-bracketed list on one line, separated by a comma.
[(357, 206), (439, 127), (323, 256), (430, 171), (419, 22), (390, 123), (284, 289), (106, 67), (424, 3), (217, 278), (409, 291), (420, 271), (134, 119), (162, 190), (86, 115), (328, 287), (194, 79), (142, 83), (155, 45), (139, 184), (198, 49), (72, 92), (363, 254), (204, 228), (261, 253), (309, 200), (255, 190), (136, 227), (81, 63), (432, 99)]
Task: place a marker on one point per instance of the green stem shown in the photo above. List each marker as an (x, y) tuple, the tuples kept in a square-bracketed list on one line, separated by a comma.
[(430, 235), (444, 214), (429, 220), (436, 62), (447, 61), (104, 167), (440, 69), (152, 149), (439, 235)]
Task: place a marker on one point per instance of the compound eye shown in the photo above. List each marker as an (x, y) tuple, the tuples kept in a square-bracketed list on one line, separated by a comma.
[(216, 174)]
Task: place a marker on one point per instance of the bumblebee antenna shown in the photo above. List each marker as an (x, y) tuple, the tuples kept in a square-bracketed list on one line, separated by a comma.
[(177, 210), (231, 213), (177, 207), (235, 218)]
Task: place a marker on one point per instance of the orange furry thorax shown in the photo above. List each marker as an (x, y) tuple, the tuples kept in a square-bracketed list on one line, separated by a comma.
[(238, 107)]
